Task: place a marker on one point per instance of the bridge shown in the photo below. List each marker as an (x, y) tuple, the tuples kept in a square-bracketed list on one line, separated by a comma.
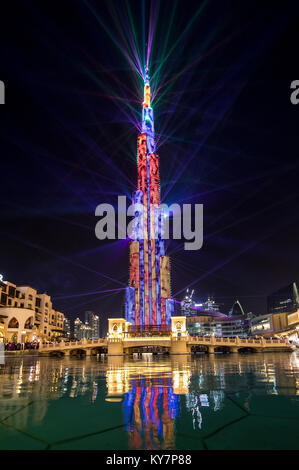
[(89, 347), (173, 344)]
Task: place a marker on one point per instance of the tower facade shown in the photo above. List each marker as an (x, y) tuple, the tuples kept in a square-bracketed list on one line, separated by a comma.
[(148, 303)]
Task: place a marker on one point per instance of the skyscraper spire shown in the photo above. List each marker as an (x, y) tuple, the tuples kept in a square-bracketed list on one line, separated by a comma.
[(148, 115), (147, 90), (148, 302)]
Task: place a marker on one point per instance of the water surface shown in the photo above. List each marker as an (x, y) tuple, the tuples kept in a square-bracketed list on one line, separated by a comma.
[(226, 401)]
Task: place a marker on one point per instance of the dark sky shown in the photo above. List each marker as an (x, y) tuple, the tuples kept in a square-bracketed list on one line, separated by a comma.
[(227, 138)]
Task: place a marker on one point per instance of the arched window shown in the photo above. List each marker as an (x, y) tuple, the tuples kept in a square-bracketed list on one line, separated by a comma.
[(29, 323), (13, 323)]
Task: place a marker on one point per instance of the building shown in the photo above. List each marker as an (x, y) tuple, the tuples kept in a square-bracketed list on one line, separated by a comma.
[(148, 304), (92, 320), (26, 315), (187, 303), (82, 330), (282, 318), (276, 324), (67, 333), (210, 305), (205, 319), (236, 310), (209, 324), (85, 331), (284, 300), (77, 327)]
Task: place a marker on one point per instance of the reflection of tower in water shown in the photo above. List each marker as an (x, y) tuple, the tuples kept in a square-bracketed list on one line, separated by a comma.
[(151, 398), (150, 409)]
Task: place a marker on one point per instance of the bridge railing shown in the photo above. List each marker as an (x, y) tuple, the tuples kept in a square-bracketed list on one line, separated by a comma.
[(214, 340), (204, 340), (72, 344)]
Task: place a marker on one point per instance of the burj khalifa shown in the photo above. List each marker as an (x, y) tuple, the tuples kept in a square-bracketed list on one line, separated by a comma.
[(148, 304)]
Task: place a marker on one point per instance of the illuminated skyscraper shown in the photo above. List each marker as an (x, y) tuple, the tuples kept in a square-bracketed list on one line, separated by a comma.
[(67, 327), (92, 320), (148, 302)]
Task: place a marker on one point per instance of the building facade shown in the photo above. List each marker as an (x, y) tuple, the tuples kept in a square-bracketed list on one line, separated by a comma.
[(93, 321), (187, 303), (276, 324), (26, 315), (222, 326), (82, 330), (284, 300), (77, 326), (67, 332), (148, 304), (282, 318)]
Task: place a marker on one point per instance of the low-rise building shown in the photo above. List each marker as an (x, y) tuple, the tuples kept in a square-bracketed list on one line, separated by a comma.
[(222, 325), (26, 315), (205, 319), (276, 324)]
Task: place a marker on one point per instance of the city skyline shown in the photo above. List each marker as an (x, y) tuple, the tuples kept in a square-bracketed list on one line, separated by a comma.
[(149, 308), (71, 145)]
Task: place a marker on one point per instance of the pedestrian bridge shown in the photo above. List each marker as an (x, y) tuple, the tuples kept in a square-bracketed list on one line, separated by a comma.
[(174, 344), (236, 344), (89, 346)]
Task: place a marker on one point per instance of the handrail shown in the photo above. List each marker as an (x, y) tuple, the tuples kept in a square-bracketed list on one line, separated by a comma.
[(196, 340)]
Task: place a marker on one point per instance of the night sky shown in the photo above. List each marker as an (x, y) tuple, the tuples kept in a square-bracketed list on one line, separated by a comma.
[(227, 137)]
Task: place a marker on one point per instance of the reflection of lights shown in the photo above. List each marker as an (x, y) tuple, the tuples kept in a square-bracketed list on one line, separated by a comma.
[(204, 400), (181, 381), (197, 417), (20, 379), (30, 374), (95, 392), (116, 381), (218, 397)]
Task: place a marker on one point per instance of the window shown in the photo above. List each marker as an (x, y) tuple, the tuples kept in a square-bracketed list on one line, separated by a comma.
[(28, 323), (11, 291), (13, 323)]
